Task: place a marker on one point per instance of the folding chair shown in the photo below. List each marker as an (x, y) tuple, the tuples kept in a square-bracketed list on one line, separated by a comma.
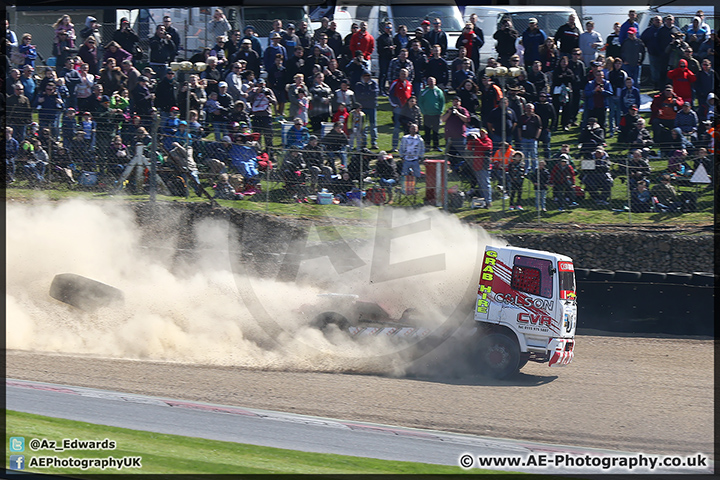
[(408, 191)]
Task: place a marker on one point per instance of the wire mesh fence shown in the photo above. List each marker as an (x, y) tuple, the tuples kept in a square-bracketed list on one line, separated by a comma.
[(112, 154)]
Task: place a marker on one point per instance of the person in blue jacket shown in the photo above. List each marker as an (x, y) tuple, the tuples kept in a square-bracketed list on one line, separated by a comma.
[(597, 94)]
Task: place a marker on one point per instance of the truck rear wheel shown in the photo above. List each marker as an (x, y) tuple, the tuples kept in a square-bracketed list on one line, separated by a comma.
[(499, 355), (324, 320)]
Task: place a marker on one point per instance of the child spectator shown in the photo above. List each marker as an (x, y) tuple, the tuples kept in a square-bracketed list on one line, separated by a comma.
[(341, 115), (89, 128), (562, 178), (357, 124)]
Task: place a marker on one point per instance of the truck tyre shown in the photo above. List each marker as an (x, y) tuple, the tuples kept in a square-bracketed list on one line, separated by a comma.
[(82, 292), (499, 356), (524, 357), (324, 320)]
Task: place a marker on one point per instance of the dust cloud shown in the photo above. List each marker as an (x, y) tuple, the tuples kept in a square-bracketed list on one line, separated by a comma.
[(208, 310)]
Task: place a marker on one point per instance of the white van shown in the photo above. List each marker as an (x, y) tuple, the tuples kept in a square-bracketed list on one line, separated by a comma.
[(409, 13), (549, 20)]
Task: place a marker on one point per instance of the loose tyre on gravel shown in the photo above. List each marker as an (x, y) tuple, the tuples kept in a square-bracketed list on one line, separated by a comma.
[(82, 292), (499, 355)]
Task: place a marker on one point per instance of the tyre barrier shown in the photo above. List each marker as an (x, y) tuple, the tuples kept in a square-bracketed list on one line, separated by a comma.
[(647, 302)]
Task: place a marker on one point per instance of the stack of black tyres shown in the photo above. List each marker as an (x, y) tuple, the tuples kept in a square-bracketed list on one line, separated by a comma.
[(674, 303)]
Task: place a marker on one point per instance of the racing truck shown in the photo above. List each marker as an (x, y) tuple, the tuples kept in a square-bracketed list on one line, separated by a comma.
[(525, 310)]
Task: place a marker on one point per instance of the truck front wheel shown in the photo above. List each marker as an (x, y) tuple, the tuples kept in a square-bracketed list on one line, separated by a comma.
[(499, 355)]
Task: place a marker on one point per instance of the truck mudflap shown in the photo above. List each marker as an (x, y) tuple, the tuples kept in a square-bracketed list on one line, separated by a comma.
[(561, 351)]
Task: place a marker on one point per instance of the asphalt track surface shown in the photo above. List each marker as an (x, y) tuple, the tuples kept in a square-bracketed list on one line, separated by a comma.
[(629, 394), (291, 431)]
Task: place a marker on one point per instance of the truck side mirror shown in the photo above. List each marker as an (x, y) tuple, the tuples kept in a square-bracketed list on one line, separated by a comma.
[(551, 270)]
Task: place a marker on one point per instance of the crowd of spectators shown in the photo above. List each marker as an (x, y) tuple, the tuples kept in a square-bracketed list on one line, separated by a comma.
[(96, 105)]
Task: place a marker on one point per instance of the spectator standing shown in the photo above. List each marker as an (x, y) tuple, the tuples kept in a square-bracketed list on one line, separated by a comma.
[(219, 24), (84, 88), (166, 94), (19, 111), (128, 39), (12, 149), (546, 111), (277, 79), (410, 113), (616, 77), (431, 103), (249, 55), (62, 49), (174, 36), (398, 64), (11, 40), (706, 81), (131, 72), (363, 41), (530, 125), (436, 36), (548, 54), (399, 93), (212, 75), (631, 22), (562, 178), (249, 34), (386, 52), (696, 34), (28, 50), (419, 61), (334, 40), (412, 152), (468, 93), (531, 40), (663, 111), (92, 29), (111, 77), (664, 37), (355, 68), (90, 54), (589, 42), (480, 147), (117, 53), (401, 40), (273, 50), (162, 49), (567, 36), (366, 94), (261, 100), (320, 103), (455, 119), (437, 68), (612, 42), (505, 37), (655, 51), (578, 68), (597, 97), (142, 100), (632, 53), (516, 176), (471, 41), (682, 79), (343, 95)]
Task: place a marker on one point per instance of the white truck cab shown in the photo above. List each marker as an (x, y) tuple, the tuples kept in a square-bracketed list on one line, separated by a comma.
[(526, 309)]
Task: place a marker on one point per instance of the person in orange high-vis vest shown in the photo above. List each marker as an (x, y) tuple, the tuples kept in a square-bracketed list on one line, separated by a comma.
[(500, 160)]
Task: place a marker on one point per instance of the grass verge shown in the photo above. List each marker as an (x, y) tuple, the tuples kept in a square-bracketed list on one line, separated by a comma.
[(173, 454)]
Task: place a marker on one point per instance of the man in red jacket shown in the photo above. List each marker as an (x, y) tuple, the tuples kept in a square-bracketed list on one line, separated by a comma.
[(363, 41), (663, 111), (480, 147), (399, 93), (682, 79)]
